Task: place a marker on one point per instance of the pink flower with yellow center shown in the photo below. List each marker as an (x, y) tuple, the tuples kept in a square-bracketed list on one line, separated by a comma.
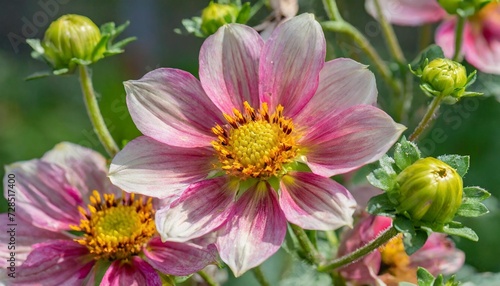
[(70, 221), (253, 143), (481, 46), (390, 264)]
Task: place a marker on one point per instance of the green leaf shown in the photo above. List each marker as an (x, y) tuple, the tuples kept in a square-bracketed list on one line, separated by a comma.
[(244, 13), (414, 242), (457, 162), (430, 53), (380, 205), (477, 194), (424, 277), (472, 209), (462, 231), (380, 179), (404, 225), (406, 153)]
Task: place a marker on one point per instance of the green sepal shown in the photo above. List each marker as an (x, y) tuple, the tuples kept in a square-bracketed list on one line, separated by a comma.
[(191, 26), (472, 209), (109, 33), (457, 162), (37, 75), (424, 277), (476, 194), (61, 71), (180, 279), (456, 228), (405, 153), (244, 14), (380, 205)]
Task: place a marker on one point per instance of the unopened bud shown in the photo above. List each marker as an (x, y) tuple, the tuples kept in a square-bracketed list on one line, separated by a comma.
[(430, 191), (71, 36), (445, 76), (216, 15)]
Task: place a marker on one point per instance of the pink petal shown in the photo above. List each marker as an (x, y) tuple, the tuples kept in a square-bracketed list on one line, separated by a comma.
[(164, 256), (44, 196), (135, 272), (254, 231), (18, 236), (438, 255), (60, 262), (152, 168), (229, 66), (342, 83), (86, 169), (445, 37), (203, 207), (482, 48), (170, 106), (315, 202), (290, 64), (348, 140), (408, 12)]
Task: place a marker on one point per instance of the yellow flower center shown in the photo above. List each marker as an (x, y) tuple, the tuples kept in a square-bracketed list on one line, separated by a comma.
[(396, 262), (116, 228), (255, 144)]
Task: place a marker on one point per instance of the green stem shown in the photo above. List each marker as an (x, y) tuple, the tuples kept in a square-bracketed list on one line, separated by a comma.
[(312, 254), (459, 33), (364, 45), (360, 252), (332, 238), (208, 279), (332, 10), (259, 275), (425, 36), (424, 123), (390, 36), (95, 113)]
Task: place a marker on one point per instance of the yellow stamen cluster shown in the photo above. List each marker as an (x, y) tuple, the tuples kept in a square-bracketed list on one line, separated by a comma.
[(394, 256), (255, 144), (116, 228)]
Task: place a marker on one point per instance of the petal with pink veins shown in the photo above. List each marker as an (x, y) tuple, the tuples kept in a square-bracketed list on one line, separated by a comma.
[(164, 256), (149, 167), (170, 106), (315, 202), (254, 231), (482, 48), (86, 168), (59, 262), (348, 140), (203, 207), (407, 12), (290, 64), (22, 236), (342, 83), (44, 196), (445, 37), (229, 67), (134, 272)]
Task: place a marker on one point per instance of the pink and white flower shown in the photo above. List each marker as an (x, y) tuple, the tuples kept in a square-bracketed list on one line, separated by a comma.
[(237, 145), (51, 198), (481, 46), (390, 265)]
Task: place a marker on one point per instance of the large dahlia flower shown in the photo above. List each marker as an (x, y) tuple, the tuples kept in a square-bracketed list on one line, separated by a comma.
[(481, 46), (252, 144), (70, 221)]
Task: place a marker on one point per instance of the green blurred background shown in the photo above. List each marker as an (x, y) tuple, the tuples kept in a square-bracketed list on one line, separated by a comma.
[(36, 115)]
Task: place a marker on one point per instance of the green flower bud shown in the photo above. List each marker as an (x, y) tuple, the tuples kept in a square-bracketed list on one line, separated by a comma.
[(71, 36), (429, 191), (216, 15), (445, 76)]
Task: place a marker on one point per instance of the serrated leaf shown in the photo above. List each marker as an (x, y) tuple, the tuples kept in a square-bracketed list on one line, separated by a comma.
[(424, 277), (472, 209), (380, 205), (415, 241), (464, 232), (475, 194), (457, 162), (406, 153), (380, 179)]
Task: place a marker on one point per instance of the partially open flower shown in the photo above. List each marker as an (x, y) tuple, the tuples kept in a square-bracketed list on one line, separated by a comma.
[(429, 191), (71, 36), (445, 76)]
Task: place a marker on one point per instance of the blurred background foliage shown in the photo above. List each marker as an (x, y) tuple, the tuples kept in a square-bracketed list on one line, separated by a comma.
[(36, 115)]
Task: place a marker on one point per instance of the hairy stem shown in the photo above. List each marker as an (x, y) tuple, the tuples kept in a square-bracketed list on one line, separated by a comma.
[(360, 252), (429, 115), (94, 112), (312, 254)]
